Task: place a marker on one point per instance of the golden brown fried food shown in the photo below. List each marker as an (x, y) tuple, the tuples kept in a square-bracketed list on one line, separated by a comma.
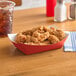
[(41, 35), (35, 40), (36, 34), (40, 29), (28, 38), (44, 29), (20, 38), (53, 39), (52, 31), (60, 34)]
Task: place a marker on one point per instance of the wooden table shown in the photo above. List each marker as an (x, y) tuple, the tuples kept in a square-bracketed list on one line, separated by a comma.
[(50, 63)]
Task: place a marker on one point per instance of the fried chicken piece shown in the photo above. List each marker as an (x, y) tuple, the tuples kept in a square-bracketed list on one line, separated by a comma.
[(28, 38), (53, 39), (35, 40), (40, 29), (46, 29), (36, 34), (52, 31), (43, 36), (20, 38), (60, 34)]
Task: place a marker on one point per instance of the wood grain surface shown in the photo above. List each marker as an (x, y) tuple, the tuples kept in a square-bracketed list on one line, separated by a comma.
[(50, 63)]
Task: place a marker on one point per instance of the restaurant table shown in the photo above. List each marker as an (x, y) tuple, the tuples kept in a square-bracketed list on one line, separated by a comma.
[(51, 63)]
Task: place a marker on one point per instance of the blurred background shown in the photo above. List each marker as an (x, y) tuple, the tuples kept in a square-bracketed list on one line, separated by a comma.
[(27, 4)]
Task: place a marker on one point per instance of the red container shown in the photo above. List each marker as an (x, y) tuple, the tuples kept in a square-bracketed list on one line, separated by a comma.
[(31, 49), (50, 5)]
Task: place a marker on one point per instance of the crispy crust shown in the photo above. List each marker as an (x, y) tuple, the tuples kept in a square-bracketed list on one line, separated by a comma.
[(40, 36), (53, 39)]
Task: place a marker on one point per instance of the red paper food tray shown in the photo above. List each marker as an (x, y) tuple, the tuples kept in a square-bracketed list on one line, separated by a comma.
[(31, 49)]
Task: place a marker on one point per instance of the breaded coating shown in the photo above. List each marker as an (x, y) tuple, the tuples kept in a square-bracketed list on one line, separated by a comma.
[(60, 34), (41, 35), (35, 40), (28, 38), (20, 38), (40, 28), (52, 31), (36, 34), (46, 29), (53, 39)]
